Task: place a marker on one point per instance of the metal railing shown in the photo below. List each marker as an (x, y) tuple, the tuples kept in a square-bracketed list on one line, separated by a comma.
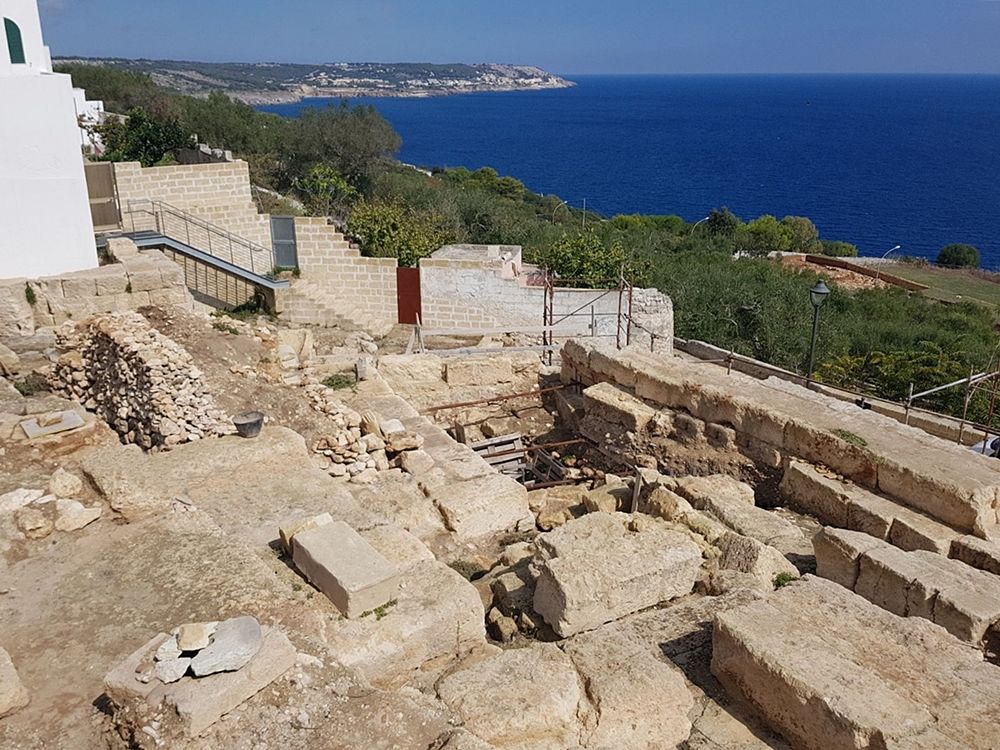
[(201, 235)]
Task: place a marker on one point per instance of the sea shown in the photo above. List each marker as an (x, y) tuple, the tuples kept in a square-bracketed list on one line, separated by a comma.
[(874, 160)]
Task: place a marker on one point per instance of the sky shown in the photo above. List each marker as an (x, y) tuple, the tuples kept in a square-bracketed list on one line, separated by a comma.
[(583, 36)]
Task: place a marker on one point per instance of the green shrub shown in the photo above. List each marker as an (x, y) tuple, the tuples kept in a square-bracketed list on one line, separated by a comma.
[(31, 384), (783, 579), (836, 249), (958, 255), (392, 230), (29, 294), (340, 381)]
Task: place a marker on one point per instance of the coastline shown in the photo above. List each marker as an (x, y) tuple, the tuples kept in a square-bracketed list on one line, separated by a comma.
[(264, 98)]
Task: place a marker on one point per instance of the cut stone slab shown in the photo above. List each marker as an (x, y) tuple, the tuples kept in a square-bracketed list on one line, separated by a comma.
[(13, 695), (68, 420), (759, 561), (959, 598), (72, 515), (979, 553), (839, 551), (234, 644), (605, 404), (482, 506), (595, 569), (831, 671), (521, 699), (416, 462), (479, 371), (438, 616), (346, 568), (122, 683), (641, 702), (202, 702), (808, 491), (287, 531), (700, 491)]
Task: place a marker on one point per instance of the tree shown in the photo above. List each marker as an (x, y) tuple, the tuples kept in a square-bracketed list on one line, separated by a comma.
[(958, 255), (838, 249), (722, 223), (764, 235), (391, 230), (142, 137), (803, 237), (583, 259), (325, 192)]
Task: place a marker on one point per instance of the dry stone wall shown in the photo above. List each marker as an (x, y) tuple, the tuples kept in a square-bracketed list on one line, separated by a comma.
[(142, 383)]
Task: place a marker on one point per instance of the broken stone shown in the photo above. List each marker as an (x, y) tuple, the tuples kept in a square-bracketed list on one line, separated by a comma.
[(195, 636), (72, 515), (18, 499), (13, 696), (34, 523), (171, 670), (63, 484), (416, 462), (761, 562), (235, 643), (390, 427), (168, 650), (346, 568), (397, 442), (288, 531), (501, 627)]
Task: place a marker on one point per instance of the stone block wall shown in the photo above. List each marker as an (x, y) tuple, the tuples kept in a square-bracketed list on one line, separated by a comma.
[(217, 193), (137, 280), (142, 383), (356, 288)]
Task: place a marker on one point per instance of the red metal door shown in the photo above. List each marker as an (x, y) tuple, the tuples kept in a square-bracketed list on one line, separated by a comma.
[(408, 294)]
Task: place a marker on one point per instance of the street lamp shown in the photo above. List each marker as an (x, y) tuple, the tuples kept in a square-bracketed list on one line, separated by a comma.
[(817, 295), (878, 268), (700, 221)]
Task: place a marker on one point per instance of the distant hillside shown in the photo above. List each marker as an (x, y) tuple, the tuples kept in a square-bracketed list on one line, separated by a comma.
[(265, 83)]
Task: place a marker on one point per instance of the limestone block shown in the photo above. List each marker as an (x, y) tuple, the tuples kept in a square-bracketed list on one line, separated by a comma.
[(17, 317), (341, 564), (110, 280), (479, 371), (13, 695), (664, 504), (144, 280), (9, 361), (702, 490), (720, 437), (688, 429), (838, 554), (522, 699), (979, 553), (755, 559), (642, 702), (120, 248), (288, 530), (202, 702), (830, 671), (884, 578), (481, 506), (808, 491), (595, 569), (165, 297), (416, 462), (820, 446), (80, 284), (397, 545), (606, 403), (438, 616)]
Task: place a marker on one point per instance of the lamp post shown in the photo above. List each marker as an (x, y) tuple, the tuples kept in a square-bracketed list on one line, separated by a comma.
[(700, 221), (561, 204), (817, 295), (878, 268)]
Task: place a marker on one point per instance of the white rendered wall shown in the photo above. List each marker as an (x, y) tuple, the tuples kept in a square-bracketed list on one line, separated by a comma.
[(25, 14), (45, 224)]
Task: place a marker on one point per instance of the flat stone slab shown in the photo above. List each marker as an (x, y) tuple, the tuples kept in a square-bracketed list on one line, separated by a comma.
[(478, 507), (346, 568), (831, 671), (979, 553), (606, 404), (596, 569), (69, 420), (234, 643)]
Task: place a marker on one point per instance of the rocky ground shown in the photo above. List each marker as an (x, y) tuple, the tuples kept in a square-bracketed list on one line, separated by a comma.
[(354, 577)]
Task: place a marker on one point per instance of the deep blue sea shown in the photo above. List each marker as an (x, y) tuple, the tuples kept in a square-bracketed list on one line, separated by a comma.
[(874, 160)]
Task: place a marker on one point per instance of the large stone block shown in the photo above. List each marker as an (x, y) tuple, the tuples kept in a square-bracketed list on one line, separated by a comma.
[(838, 554), (479, 371), (340, 563), (604, 403), (521, 699), (831, 671), (979, 553), (596, 569), (808, 491), (481, 506)]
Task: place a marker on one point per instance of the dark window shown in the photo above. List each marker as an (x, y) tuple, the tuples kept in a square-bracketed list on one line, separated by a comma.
[(14, 43)]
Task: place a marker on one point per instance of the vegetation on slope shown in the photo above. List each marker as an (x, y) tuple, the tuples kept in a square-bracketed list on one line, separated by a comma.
[(339, 161)]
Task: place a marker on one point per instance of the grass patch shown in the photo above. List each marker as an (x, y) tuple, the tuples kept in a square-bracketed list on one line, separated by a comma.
[(783, 579), (950, 284), (31, 384), (849, 437), (340, 381), (225, 328), (382, 610)]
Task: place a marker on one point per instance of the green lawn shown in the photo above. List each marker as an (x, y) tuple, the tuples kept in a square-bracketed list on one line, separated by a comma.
[(949, 285)]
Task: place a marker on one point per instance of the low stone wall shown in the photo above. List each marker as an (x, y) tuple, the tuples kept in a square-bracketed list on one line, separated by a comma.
[(142, 383), (777, 420), (137, 280)]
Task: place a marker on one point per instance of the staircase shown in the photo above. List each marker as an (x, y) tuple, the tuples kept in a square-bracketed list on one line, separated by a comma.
[(308, 303)]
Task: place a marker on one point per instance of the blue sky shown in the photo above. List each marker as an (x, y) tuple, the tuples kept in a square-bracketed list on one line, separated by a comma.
[(583, 36)]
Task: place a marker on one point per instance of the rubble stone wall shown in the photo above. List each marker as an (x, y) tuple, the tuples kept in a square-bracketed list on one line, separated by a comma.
[(137, 280), (217, 193), (142, 383), (773, 421)]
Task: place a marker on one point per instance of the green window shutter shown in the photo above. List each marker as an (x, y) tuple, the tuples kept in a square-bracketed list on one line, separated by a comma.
[(14, 43)]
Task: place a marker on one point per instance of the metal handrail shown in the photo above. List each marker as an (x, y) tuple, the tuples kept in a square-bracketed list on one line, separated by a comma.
[(161, 210)]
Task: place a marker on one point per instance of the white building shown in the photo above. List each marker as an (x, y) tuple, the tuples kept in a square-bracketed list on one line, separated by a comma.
[(45, 224), (89, 114)]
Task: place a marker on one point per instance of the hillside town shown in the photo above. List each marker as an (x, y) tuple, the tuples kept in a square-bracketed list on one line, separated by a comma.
[(261, 490)]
